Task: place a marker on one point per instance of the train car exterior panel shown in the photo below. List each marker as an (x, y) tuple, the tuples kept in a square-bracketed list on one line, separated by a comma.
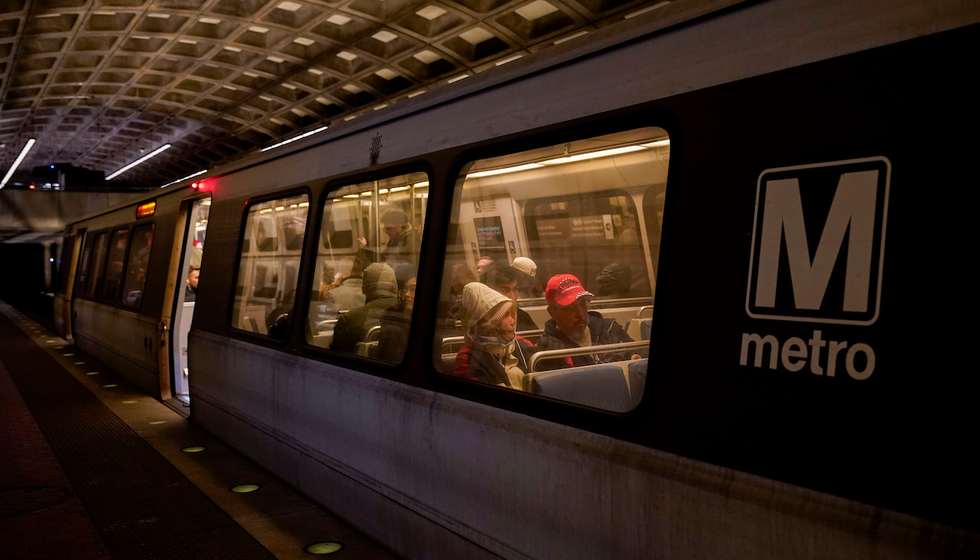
[(556, 492), (125, 341)]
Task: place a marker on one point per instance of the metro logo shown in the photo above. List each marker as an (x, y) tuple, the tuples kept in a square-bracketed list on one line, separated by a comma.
[(818, 242)]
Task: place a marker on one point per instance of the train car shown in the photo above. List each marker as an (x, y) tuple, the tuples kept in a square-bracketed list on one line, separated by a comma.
[(711, 187)]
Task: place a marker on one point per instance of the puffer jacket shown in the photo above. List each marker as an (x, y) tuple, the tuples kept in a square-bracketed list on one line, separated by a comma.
[(604, 331)]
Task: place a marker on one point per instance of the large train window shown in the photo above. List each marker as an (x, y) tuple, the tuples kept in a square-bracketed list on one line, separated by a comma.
[(551, 270), (97, 264), (367, 260), (269, 271), (114, 265), (139, 259)]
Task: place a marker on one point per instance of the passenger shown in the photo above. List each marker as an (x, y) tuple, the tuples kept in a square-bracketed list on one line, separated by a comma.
[(528, 286), (403, 239), (614, 281), (262, 242), (483, 264), (492, 351), (190, 293), (572, 325), (396, 322), (461, 276), (349, 293), (277, 321), (504, 279), (380, 292)]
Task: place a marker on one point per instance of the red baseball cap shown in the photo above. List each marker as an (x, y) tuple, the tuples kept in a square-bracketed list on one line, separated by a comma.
[(564, 289)]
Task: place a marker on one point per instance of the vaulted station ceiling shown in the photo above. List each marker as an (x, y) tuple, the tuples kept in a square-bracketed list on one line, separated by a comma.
[(99, 83)]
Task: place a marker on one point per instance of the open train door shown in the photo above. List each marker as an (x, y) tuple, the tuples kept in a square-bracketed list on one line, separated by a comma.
[(70, 251), (185, 270)]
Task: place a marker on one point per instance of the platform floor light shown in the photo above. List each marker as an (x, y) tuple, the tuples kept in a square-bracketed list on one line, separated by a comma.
[(126, 168), (20, 158)]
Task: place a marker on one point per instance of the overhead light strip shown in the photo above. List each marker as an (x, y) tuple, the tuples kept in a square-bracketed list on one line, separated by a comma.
[(201, 172), (20, 158), (293, 139), (155, 152)]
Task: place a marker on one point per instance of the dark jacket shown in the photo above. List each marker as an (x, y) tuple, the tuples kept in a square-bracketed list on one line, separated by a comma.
[(402, 249), (353, 326), (604, 331), (395, 328), (524, 321), (478, 365)]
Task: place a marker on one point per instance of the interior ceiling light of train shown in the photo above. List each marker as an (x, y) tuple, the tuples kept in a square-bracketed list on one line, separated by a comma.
[(99, 84)]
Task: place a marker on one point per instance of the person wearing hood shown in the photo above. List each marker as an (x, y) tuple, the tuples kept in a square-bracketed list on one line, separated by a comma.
[(380, 293), (492, 352)]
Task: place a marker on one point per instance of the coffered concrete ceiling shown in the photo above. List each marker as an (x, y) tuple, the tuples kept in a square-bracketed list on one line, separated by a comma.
[(99, 83)]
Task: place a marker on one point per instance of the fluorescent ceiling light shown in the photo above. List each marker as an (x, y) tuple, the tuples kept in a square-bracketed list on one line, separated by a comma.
[(593, 155), (126, 168), (201, 172), (293, 139), (20, 158), (503, 170), (657, 144)]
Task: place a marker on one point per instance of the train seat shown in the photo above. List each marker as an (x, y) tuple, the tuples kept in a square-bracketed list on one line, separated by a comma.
[(636, 375), (601, 386)]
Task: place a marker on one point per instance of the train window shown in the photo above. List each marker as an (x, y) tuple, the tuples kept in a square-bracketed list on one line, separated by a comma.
[(114, 265), (83, 265), (367, 260), (551, 269), (97, 264), (269, 269), (139, 259)]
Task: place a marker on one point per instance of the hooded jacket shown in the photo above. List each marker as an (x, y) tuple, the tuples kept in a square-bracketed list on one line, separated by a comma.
[(380, 291), (484, 359), (604, 331)]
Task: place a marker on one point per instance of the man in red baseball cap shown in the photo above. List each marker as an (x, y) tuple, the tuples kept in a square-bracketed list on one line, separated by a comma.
[(572, 325)]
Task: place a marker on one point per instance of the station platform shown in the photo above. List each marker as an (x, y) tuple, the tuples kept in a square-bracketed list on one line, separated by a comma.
[(93, 468)]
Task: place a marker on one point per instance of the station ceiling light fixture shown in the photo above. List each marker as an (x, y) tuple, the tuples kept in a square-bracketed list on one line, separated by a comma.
[(20, 158), (127, 167)]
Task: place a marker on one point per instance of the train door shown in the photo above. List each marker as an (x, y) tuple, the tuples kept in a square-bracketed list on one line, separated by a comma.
[(185, 295)]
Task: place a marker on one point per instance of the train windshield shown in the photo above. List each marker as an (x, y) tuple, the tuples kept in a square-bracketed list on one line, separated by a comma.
[(367, 261), (551, 269)]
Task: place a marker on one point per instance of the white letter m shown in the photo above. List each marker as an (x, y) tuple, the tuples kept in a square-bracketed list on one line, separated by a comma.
[(853, 206)]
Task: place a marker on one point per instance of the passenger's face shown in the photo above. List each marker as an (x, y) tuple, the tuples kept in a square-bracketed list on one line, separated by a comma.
[(482, 265), (392, 231), (508, 327), (509, 290), (192, 277), (409, 294), (571, 319)]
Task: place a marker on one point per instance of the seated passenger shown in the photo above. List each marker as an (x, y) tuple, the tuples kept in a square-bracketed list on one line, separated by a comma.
[(396, 322), (572, 325), (528, 286), (380, 293), (492, 351), (504, 279), (348, 294), (614, 281), (461, 276), (277, 321)]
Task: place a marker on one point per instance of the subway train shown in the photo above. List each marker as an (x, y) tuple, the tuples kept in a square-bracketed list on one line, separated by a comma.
[(764, 197)]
